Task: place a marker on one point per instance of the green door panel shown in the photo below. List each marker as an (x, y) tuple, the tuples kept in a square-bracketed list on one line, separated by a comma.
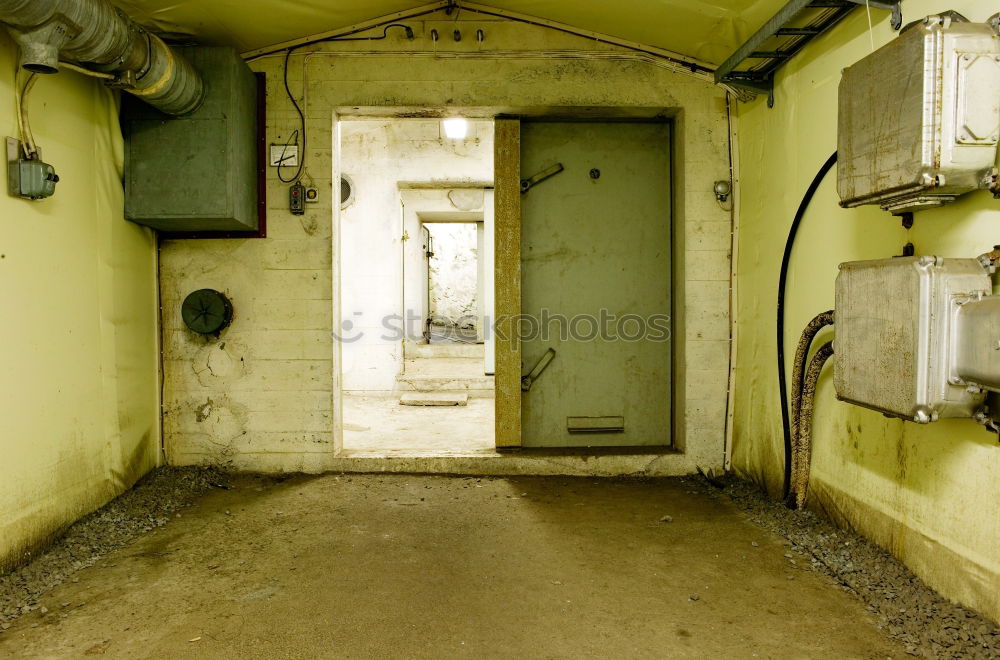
[(595, 260)]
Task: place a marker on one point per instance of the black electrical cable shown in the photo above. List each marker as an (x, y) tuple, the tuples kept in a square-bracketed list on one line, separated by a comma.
[(385, 35), (295, 103), (302, 123), (292, 139), (786, 257)]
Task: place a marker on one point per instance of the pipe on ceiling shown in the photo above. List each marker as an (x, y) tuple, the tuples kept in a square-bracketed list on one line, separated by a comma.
[(102, 38)]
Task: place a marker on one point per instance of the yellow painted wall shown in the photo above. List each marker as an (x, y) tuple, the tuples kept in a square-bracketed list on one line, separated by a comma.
[(79, 383), (930, 493)]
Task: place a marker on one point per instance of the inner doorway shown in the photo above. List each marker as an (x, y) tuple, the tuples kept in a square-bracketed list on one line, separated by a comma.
[(455, 277), (416, 287)]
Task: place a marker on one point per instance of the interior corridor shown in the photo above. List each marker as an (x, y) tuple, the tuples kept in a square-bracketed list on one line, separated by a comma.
[(500, 329)]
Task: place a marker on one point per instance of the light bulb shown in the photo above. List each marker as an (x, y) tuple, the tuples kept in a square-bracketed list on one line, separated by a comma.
[(456, 128)]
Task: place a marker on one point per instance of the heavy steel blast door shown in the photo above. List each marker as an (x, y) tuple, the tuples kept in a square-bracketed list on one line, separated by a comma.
[(595, 267)]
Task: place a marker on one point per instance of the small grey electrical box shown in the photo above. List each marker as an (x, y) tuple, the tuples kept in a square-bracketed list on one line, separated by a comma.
[(29, 178), (898, 335)]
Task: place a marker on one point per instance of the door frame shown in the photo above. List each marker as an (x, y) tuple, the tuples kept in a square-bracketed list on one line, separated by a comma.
[(507, 280), (416, 207), (507, 246)]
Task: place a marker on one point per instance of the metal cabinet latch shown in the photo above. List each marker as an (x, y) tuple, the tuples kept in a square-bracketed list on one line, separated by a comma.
[(543, 363), (531, 182)]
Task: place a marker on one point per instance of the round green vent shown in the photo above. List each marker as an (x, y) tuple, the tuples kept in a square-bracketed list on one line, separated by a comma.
[(207, 312)]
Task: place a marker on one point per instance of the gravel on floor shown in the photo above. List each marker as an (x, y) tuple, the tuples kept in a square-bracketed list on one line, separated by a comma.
[(149, 504), (926, 623)]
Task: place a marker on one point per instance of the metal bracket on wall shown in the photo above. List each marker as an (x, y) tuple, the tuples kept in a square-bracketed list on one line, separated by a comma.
[(752, 67)]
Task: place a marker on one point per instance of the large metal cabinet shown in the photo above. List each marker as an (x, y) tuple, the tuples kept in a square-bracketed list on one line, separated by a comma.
[(196, 173)]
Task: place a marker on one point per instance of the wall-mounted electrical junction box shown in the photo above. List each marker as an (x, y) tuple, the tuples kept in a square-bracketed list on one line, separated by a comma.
[(919, 119), (918, 337), (29, 178)]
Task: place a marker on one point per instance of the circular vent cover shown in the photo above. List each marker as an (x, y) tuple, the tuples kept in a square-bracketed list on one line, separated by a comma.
[(207, 312), (346, 191)]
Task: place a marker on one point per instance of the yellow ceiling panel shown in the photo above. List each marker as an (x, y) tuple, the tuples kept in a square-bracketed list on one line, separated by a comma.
[(705, 30), (708, 30), (249, 24)]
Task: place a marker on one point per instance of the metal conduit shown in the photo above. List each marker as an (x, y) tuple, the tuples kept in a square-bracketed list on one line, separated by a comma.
[(802, 452), (799, 366), (101, 38)]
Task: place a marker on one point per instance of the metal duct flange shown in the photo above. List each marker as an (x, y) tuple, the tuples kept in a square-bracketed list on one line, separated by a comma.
[(104, 39)]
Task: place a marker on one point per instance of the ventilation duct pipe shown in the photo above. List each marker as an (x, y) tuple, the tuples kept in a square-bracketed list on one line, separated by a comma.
[(102, 38)]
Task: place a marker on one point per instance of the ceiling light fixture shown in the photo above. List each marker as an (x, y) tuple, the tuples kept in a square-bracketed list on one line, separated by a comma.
[(456, 128)]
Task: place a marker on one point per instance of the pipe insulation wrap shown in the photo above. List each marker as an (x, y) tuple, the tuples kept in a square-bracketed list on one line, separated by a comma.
[(100, 37)]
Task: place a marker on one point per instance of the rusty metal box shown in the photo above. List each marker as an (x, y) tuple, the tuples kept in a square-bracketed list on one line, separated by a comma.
[(919, 119), (895, 341)]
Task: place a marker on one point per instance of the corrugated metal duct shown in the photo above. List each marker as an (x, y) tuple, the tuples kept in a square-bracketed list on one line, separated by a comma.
[(103, 39)]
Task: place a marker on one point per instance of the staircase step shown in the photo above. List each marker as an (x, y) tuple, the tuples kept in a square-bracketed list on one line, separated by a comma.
[(434, 399), (452, 367), (430, 351), (452, 374), (478, 387)]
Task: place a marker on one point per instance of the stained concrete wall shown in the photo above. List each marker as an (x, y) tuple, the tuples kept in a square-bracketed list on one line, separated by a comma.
[(267, 381), (380, 157), (926, 493), (79, 363)]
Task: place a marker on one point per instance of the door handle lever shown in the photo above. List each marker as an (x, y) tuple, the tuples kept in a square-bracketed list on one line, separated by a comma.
[(531, 182), (543, 363)]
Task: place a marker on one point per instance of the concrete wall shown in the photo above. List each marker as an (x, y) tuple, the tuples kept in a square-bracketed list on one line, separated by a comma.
[(380, 156), (79, 376), (268, 380), (926, 493)]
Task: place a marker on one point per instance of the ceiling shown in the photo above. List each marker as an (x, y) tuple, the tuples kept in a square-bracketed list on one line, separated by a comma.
[(708, 30)]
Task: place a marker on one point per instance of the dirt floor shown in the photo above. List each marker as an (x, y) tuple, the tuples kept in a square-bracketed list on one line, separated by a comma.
[(409, 566)]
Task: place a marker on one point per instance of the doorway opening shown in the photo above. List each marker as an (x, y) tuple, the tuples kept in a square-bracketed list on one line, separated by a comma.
[(454, 282), (416, 282)]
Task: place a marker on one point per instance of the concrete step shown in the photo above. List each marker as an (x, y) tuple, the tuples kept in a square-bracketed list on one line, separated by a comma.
[(450, 367), (452, 374), (481, 387), (432, 351), (435, 399)]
